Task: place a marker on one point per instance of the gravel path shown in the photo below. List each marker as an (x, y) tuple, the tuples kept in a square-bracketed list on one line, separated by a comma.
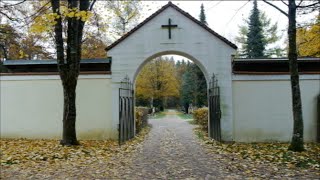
[(171, 151)]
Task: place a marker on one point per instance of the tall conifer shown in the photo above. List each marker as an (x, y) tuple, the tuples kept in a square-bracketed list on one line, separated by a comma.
[(202, 15), (256, 41)]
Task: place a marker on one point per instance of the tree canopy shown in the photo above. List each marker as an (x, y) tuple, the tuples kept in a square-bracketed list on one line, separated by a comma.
[(308, 39), (157, 80)]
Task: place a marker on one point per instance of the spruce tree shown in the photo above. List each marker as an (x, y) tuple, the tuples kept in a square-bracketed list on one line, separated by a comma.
[(270, 33), (256, 40), (202, 15)]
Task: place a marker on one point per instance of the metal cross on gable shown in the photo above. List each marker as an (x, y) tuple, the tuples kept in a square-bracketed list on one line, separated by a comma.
[(169, 26)]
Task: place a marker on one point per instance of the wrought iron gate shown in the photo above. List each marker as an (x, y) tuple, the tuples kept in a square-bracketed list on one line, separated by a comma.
[(126, 110), (214, 109)]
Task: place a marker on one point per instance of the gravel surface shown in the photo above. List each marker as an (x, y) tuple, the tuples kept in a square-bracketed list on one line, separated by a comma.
[(171, 150)]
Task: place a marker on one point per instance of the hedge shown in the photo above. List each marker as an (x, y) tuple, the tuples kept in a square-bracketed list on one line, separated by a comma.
[(201, 117), (141, 118)]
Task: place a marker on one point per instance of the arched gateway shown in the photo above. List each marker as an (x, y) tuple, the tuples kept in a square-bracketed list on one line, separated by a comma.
[(171, 30)]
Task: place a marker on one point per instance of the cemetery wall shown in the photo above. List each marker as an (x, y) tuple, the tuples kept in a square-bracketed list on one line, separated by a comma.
[(263, 108), (32, 106)]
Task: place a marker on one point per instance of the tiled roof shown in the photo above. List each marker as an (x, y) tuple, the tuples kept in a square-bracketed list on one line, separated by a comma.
[(182, 12)]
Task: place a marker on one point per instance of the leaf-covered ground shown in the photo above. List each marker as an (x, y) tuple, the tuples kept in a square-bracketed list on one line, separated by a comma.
[(273, 155), (170, 151), (40, 159)]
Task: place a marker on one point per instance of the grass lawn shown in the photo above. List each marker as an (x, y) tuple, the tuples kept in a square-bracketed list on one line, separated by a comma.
[(185, 116), (158, 115)]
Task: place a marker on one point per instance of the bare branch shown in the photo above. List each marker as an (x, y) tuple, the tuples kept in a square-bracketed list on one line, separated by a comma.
[(310, 5), (300, 3), (284, 2), (91, 6), (10, 18), (238, 11), (40, 9), (14, 4), (276, 7)]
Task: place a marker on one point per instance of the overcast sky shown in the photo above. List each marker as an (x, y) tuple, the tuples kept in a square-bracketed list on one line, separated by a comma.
[(224, 17)]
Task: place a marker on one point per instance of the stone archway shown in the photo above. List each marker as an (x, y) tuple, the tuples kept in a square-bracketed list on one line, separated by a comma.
[(192, 39)]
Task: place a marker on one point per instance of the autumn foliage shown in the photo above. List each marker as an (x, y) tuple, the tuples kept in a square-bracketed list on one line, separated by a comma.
[(308, 40), (201, 117), (157, 80)]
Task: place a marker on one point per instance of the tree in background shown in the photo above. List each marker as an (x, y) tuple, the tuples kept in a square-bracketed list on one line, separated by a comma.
[(308, 40), (270, 37), (93, 47), (202, 15), (193, 87), (188, 89), (256, 44), (9, 42), (125, 15), (157, 81), (297, 143), (201, 84), (31, 48), (3, 69), (15, 39)]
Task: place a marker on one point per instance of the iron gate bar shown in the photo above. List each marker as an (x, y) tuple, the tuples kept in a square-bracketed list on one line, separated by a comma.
[(126, 111), (214, 109)]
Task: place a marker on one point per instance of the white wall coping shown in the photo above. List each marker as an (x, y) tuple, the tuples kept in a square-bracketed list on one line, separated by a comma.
[(273, 77), (51, 77)]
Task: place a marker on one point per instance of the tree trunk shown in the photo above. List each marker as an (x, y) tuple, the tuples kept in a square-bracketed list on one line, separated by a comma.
[(69, 67), (186, 108), (69, 112), (297, 137), (318, 122)]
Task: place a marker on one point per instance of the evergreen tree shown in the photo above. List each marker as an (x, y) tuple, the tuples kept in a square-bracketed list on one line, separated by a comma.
[(3, 69), (256, 40), (201, 86), (193, 87), (202, 15), (270, 32), (188, 89)]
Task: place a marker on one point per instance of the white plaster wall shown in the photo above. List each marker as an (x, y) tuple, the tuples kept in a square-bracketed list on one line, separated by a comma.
[(32, 106), (263, 110), (190, 40)]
